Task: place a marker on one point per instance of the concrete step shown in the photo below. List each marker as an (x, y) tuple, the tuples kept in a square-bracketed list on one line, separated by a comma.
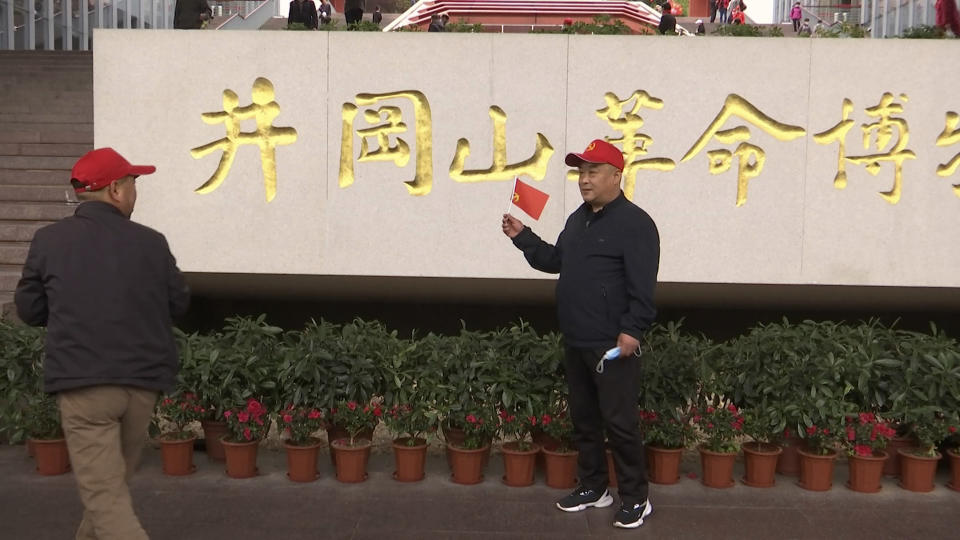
[(20, 231), (76, 117), (39, 177), (74, 150), (35, 211), (8, 280), (37, 162), (13, 252), (14, 193)]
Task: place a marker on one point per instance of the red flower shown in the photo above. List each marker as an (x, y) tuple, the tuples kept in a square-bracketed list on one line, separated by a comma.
[(242, 416), (692, 475), (826, 431), (287, 418), (227, 414), (952, 429), (246, 434), (812, 430), (378, 412), (732, 408), (503, 414), (546, 419), (533, 420), (314, 414), (472, 419), (352, 406), (709, 410), (710, 425), (863, 450), (851, 434)]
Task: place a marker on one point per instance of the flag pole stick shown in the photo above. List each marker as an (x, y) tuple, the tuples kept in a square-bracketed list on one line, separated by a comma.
[(510, 204)]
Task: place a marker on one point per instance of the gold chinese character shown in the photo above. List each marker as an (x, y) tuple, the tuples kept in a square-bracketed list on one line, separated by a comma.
[(400, 153), (264, 109), (950, 135), (633, 143), (884, 133), (535, 166), (720, 160)]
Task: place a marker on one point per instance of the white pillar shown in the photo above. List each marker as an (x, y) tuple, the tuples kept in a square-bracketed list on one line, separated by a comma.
[(85, 25), (48, 34), (68, 24), (8, 27)]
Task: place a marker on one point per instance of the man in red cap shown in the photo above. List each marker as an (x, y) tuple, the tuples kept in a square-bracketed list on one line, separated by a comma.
[(607, 256), (107, 289)]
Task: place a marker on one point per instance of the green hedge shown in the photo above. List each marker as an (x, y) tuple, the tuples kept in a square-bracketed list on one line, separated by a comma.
[(790, 375)]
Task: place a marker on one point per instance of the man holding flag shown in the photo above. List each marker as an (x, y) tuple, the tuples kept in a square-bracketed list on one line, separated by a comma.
[(607, 255)]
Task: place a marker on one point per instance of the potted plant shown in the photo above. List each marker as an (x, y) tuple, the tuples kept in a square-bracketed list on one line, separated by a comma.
[(353, 451), (300, 423), (666, 434), (21, 356), (519, 454), (760, 455), (246, 427), (43, 428), (918, 466), (720, 425), (819, 455), (560, 462), (467, 457), (866, 437), (176, 413), (408, 424), (954, 454)]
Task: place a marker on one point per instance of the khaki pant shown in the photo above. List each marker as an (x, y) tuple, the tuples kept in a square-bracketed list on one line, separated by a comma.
[(106, 429)]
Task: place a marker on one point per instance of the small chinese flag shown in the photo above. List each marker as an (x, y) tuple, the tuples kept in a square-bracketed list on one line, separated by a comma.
[(529, 199)]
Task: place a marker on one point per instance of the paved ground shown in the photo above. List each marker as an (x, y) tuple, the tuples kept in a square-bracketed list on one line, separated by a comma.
[(210, 506)]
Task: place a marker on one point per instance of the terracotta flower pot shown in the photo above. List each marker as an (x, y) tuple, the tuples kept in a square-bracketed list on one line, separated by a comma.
[(891, 467), (544, 441), (788, 464), (29, 446), (351, 460), (518, 465), (560, 468), (177, 456), (760, 464), (302, 461), (241, 458), (466, 464), (866, 472), (954, 482), (611, 470), (816, 471), (51, 456), (917, 472), (717, 468), (410, 459), (335, 432), (213, 432), (663, 464)]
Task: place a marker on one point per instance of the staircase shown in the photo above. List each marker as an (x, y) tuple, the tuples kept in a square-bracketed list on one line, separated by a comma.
[(46, 123)]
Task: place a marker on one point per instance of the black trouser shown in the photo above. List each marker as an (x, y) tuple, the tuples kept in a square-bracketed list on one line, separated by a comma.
[(713, 13), (607, 402), (796, 25), (353, 15)]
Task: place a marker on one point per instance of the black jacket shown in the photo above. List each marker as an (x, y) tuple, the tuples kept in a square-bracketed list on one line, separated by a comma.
[(107, 289), (608, 263), (303, 12), (187, 13)]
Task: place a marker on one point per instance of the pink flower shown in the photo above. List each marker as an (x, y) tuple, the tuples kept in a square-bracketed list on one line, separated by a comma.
[(227, 414), (314, 414), (472, 419), (533, 420), (287, 418), (710, 425), (546, 419), (732, 408), (851, 434), (863, 450), (352, 406), (246, 434), (242, 416), (377, 412), (709, 410)]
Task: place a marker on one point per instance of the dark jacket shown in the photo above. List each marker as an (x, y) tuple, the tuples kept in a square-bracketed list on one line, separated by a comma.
[(608, 263), (668, 24), (107, 289), (303, 12), (187, 13)]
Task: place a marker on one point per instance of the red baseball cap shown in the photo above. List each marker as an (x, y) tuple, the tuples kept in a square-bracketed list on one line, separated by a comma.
[(99, 168), (598, 151)]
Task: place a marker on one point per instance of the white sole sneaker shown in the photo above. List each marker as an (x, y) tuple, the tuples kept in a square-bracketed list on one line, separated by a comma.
[(603, 502), (646, 512)]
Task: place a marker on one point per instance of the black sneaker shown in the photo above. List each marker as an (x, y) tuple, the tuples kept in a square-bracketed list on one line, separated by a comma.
[(583, 498), (631, 517)]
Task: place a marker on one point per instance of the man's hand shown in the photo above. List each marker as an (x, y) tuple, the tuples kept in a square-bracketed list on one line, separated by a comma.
[(628, 344), (511, 226)]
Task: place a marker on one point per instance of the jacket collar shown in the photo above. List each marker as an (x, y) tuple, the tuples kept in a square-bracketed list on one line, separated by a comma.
[(98, 208), (619, 201)]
